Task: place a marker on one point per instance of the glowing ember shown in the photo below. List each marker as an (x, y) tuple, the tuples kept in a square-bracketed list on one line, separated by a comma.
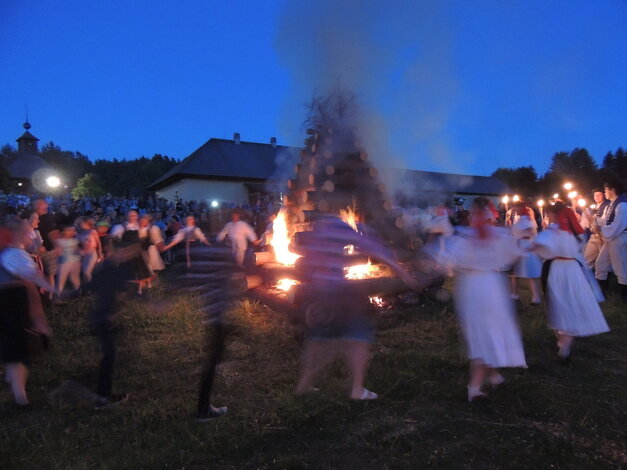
[(281, 240), (286, 284), (349, 215), (359, 271), (376, 301), (349, 250)]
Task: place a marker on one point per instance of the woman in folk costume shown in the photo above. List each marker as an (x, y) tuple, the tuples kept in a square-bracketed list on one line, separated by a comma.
[(129, 232), (529, 265), (23, 325), (156, 244), (480, 256), (189, 233), (571, 292)]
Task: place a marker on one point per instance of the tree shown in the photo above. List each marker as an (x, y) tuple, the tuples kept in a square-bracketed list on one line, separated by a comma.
[(89, 185), (523, 180), (577, 167), (615, 166)]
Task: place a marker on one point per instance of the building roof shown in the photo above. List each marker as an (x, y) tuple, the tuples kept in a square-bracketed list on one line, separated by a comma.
[(431, 181), (27, 136), (225, 159), (256, 162), (24, 165)]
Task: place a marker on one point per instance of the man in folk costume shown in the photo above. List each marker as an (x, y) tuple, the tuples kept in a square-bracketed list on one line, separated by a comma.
[(239, 234), (215, 278), (595, 243), (571, 292), (614, 231)]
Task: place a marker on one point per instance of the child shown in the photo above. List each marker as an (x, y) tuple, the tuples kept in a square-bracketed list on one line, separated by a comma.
[(572, 294), (529, 265), (69, 262)]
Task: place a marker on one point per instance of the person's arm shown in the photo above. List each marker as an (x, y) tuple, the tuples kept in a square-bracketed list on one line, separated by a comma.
[(251, 235), (224, 232), (21, 264), (178, 238), (201, 236), (618, 225)]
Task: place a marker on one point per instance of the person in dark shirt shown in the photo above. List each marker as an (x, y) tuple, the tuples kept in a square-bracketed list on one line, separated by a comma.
[(108, 284), (49, 232)]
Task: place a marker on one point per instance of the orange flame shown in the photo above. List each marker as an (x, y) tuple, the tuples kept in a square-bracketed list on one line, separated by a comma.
[(359, 271), (376, 301), (349, 215), (281, 240), (286, 284)]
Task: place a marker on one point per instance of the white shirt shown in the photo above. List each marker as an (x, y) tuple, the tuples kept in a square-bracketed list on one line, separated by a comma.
[(19, 263), (239, 233), (191, 234), (618, 225)]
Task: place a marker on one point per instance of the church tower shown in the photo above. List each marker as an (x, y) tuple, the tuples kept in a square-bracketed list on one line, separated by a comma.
[(27, 143)]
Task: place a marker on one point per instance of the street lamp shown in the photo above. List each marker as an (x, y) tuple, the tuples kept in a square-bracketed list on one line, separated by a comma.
[(53, 181), (568, 186), (215, 203)]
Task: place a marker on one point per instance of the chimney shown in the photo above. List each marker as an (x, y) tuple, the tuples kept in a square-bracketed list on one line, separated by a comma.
[(236, 138), (273, 142)]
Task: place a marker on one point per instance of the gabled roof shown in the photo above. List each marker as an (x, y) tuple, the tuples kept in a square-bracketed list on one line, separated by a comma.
[(432, 181), (26, 136), (256, 162), (220, 158), (24, 165)]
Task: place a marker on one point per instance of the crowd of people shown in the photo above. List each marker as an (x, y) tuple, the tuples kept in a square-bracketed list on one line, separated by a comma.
[(96, 251)]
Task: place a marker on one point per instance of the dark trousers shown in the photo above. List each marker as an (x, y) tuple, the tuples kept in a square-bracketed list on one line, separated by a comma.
[(214, 345), (106, 338)]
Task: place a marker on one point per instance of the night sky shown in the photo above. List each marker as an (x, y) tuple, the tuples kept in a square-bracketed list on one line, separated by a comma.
[(462, 86)]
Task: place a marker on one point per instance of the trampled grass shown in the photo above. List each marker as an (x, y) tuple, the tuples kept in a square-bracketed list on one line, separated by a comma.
[(552, 415)]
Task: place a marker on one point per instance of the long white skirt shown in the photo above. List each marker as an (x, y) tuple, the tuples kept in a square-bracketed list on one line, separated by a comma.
[(573, 307), (529, 266), (487, 318), (154, 259)]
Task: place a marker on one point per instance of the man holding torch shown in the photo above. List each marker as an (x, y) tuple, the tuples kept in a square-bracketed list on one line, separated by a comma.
[(614, 232), (593, 216)]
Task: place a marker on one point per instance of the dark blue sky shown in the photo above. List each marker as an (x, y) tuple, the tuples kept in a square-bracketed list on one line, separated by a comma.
[(444, 85)]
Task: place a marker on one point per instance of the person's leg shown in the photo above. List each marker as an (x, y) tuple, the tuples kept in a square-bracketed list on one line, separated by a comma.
[(478, 372), (75, 274), (617, 250), (357, 355), (535, 291), (316, 355), (63, 270), (105, 372), (16, 375), (565, 344), (514, 288), (214, 338), (592, 251), (89, 263)]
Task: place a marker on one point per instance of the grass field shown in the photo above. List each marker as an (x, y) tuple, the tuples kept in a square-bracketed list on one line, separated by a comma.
[(552, 415)]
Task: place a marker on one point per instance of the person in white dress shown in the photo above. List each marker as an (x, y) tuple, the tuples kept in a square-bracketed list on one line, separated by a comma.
[(571, 292), (614, 231), (480, 256), (239, 233), (529, 266)]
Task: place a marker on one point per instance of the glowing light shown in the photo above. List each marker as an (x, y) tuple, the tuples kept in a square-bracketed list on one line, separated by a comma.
[(593, 206), (215, 203), (572, 194), (286, 284), (568, 186), (540, 203), (349, 215), (555, 196), (359, 271), (19, 184), (516, 198), (349, 249), (505, 199), (376, 301), (53, 181), (581, 202), (281, 240)]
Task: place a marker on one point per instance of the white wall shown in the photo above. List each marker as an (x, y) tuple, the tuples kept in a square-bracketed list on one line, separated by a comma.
[(206, 190)]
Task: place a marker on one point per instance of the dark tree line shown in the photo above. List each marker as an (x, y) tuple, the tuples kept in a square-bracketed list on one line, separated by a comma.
[(576, 166), (118, 177)]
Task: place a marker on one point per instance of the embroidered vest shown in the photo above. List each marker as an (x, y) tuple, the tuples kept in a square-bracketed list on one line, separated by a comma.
[(612, 209)]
